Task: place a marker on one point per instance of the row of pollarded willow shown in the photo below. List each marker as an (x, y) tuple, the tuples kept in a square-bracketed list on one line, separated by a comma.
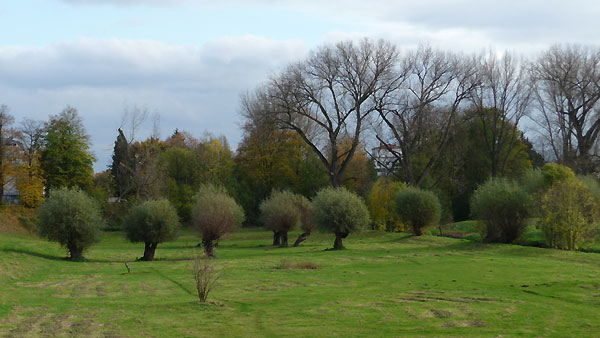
[(333, 210), (418, 97), (72, 218), (342, 212)]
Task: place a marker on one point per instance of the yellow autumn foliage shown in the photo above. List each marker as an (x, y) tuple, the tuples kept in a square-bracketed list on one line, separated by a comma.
[(381, 204)]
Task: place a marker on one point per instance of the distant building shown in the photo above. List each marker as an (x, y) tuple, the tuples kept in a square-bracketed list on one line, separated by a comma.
[(384, 159), (11, 194)]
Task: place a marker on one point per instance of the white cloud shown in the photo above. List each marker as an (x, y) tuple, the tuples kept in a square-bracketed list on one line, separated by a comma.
[(118, 62), (193, 88)]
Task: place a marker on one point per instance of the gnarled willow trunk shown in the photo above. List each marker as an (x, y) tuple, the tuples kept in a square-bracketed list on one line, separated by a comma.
[(301, 238), (209, 247), (284, 239), (149, 250), (75, 252), (337, 245), (276, 238)]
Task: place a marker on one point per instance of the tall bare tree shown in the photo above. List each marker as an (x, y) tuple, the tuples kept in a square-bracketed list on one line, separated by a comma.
[(567, 89), (420, 113), (132, 119), (6, 142), (30, 139), (328, 97), (499, 102)]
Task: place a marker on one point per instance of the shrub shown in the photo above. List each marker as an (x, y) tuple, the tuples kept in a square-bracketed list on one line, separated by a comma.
[(151, 222), (382, 205), (533, 181), (554, 173), (569, 211), (281, 214), (502, 207), (591, 183), (341, 212), (206, 278), (214, 214), (71, 218), (418, 209)]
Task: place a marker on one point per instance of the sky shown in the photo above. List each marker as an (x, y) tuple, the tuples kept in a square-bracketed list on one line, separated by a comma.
[(189, 61)]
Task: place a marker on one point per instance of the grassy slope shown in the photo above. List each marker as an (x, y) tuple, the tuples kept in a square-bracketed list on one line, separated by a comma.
[(384, 285)]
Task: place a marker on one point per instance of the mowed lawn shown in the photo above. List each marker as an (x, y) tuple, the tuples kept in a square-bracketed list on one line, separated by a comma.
[(383, 285)]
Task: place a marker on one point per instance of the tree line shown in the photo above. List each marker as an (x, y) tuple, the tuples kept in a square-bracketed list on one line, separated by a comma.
[(447, 121)]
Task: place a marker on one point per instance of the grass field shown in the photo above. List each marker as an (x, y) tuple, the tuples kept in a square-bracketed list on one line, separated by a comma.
[(385, 284)]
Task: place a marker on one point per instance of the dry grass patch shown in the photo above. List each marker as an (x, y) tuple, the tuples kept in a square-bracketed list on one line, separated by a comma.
[(303, 265)]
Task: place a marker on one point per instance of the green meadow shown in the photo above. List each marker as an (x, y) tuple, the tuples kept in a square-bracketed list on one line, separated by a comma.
[(383, 285)]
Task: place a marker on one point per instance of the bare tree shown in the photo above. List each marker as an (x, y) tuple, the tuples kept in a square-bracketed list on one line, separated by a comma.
[(500, 101), (328, 96), (567, 89), (146, 172), (30, 138), (131, 120), (420, 113), (6, 142)]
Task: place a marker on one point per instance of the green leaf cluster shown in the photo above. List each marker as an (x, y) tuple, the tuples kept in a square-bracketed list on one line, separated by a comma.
[(153, 221), (569, 211), (340, 211), (418, 209), (71, 218), (502, 207), (65, 159)]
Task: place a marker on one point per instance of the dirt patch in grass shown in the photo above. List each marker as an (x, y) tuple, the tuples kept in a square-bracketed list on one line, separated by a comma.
[(467, 323), (302, 265), (439, 313), (431, 297), (28, 322), (457, 234)]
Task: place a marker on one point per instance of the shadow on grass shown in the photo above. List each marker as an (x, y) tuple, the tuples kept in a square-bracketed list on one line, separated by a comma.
[(35, 254), (59, 258), (181, 286)]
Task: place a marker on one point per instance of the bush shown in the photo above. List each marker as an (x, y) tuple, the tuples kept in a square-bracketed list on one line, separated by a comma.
[(382, 206), (341, 212), (591, 183), (151, 222), (206, 278), (502, 207), (214, 214), (533, 181), (554, 173), (569, 211), (71, 218), (281, 214), (418, 209)]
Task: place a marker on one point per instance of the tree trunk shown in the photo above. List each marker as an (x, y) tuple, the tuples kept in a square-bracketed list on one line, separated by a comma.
[(337, 245), (335, 180), (276, 238), (284, 240), (75, 252), (417, 230), (209, 247), (149, 250), (301, 238)]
